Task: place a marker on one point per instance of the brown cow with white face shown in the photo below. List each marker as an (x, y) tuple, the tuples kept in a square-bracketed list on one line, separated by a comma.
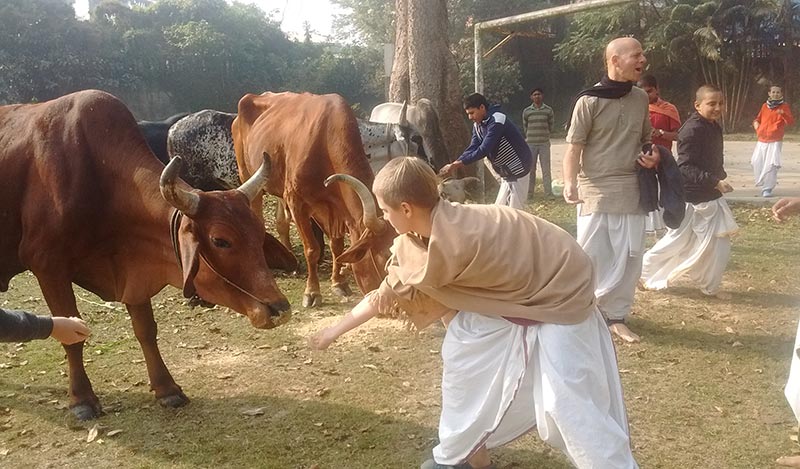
[(308, 138), (81, 202)]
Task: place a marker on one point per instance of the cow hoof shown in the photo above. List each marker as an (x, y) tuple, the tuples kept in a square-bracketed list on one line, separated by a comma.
[(312, 300), (84, 412), (342, 289), (174, 401)]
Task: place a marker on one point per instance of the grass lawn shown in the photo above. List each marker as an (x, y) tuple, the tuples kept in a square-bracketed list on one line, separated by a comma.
[(703, 389)]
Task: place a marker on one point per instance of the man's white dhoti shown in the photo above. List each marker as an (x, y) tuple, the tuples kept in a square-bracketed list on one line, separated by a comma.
[(501, 379), (513, 193), (615, 243), (700, 249), (766, 162), (792, 391)]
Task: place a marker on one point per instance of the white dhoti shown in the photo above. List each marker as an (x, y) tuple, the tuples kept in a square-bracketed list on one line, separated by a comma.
[(766, 162), (792, 391), (615, 243), (501, 379), (513, 193), (699, 249)]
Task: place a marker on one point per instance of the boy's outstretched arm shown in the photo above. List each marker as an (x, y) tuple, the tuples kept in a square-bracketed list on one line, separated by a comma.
[(360, 314)]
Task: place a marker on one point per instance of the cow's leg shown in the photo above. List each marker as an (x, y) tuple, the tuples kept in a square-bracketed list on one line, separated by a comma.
[(339, 283), (282, 219), (168, 393), (57, 292), (312, 295)]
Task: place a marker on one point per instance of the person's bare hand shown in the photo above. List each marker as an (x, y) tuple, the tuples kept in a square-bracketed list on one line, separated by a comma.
[(724, 187), (785, 207), (322, 339), (570, 193), (69, 331), (449, 168), (779, 111), (649, 160)]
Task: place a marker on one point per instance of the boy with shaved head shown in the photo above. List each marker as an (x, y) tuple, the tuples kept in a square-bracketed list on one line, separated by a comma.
[(700, 247), (609, 126), (526, 346)]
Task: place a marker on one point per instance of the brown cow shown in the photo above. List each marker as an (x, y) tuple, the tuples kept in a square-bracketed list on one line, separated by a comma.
[(310, 137), (81, 202)]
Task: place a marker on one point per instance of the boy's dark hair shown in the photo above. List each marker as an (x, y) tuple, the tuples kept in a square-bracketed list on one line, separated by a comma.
[(537, 89), (648, 80), (704, 90), (475, 100)]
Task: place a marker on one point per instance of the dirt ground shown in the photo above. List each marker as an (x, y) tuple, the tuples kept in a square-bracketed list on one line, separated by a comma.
[(737, 165)]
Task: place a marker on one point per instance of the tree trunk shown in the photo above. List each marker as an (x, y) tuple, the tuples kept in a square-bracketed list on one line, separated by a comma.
[(424, 67)]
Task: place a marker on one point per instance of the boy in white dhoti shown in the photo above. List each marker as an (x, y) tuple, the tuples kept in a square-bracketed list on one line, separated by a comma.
[(700, 248), (526, 346), (770, 124)]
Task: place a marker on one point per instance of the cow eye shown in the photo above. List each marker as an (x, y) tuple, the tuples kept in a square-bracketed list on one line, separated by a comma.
[(221, 243)]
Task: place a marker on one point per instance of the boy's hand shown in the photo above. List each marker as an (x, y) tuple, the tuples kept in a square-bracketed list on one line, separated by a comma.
[(322, 339), (785, 207), (724, 187), (449, 168), (69, 331), (649, 160)]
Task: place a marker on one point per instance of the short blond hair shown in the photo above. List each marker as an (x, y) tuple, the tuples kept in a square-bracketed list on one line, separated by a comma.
[(407, 179)]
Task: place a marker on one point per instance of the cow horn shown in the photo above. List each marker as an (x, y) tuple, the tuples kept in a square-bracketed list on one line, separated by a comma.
[(403, 111), (185, 201), (253, 186), (370, 218)]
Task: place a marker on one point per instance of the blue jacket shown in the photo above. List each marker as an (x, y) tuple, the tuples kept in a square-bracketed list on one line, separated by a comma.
[(663, 186), (498, 139)]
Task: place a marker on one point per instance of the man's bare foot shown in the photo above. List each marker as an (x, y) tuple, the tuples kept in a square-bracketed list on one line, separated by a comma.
[(789, 461), (621, 330), (322, 339)]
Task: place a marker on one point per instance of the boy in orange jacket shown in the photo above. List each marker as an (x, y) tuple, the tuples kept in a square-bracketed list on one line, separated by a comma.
[(770, 123)]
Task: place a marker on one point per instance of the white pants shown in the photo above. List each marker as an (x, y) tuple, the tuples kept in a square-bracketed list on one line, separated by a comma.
[(766, 162), (792, 390), (513, 193), (615, 243), (501, 379), (699, 249)]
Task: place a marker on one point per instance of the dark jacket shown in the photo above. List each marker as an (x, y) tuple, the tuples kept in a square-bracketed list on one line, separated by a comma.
[(20, 326), (700, 159), (663, 186), (498, 139)]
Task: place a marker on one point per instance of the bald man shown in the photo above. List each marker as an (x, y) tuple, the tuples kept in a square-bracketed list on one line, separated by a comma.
[(609, 126)]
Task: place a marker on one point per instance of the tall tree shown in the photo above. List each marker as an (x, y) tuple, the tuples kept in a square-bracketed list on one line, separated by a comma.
[(424, 67)]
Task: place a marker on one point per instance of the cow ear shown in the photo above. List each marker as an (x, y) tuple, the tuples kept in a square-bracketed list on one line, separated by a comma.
[(277, 256), (357, 250), (190, 260)]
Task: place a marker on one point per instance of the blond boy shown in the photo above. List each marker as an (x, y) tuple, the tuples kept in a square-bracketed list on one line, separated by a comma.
[(700, 248), (526, 346)]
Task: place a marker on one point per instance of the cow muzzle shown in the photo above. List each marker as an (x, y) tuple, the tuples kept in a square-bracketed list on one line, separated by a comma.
[(271, 315)]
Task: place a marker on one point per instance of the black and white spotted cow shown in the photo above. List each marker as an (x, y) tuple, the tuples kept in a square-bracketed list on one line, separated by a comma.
[(155, 133), (205, 143)]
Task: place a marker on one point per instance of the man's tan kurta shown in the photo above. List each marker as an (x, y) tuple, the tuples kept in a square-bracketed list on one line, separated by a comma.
[(491, 260)]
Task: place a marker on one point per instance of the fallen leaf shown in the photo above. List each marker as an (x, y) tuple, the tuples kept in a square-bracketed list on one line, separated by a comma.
[(113, 433), (93, 432), (225, 376), (371, 367), (729, 330), (254, 412), (737, 344)]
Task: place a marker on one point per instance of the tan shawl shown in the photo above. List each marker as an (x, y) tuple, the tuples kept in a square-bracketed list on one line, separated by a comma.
[(491, 260)]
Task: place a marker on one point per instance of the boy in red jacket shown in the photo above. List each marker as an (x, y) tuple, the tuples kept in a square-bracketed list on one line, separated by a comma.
[(770, 124)]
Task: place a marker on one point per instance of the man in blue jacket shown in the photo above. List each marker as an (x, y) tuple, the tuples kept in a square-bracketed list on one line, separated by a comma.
[(495, 137)]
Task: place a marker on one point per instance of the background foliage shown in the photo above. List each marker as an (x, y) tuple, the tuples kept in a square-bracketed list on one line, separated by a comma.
[(166, 56)]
